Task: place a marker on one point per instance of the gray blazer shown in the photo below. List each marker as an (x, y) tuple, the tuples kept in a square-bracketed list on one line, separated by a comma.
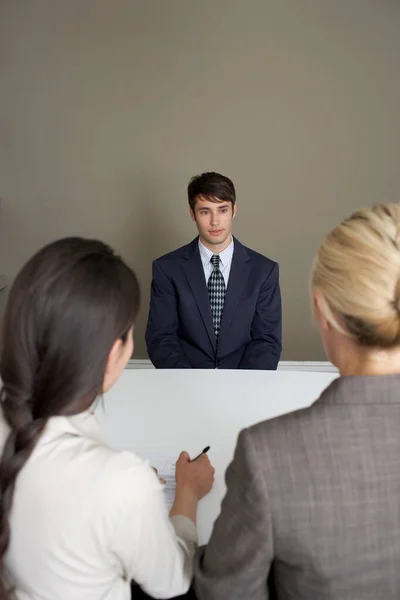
[(312, 509)]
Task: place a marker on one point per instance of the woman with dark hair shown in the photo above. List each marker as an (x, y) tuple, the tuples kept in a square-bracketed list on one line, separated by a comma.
[(78, 519)]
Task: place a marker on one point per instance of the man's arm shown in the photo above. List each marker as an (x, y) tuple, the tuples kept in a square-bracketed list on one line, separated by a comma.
[(237, 561), (162, 340), (264, 350)]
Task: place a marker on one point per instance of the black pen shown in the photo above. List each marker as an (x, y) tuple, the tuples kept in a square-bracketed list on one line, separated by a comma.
[(206, 449)]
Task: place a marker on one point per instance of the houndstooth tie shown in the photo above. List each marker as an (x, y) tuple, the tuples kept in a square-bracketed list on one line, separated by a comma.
[(216, 292)]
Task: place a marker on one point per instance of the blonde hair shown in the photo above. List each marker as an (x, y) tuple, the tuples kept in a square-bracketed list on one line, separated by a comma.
[(357, 273)]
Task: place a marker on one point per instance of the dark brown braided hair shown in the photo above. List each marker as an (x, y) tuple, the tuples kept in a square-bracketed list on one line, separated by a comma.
[(66, 308)]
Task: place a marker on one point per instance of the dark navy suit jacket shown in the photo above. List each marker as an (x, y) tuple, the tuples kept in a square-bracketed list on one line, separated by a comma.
[(180, 331)]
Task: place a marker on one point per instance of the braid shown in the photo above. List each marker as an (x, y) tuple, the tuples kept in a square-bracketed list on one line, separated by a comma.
[(24, 433), (68, 294)]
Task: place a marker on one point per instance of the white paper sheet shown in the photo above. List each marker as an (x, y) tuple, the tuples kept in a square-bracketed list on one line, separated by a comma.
[(164, 462), (166, 470)]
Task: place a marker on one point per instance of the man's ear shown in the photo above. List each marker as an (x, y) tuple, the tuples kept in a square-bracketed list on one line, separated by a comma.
[(234, 210), (192, 215)]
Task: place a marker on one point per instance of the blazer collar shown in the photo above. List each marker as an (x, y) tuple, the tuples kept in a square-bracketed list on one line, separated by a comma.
[(238, 277), (363, 389), (193, 269)]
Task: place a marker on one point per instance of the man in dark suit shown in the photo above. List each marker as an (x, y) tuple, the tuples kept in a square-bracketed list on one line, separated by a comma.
[(214, 303)]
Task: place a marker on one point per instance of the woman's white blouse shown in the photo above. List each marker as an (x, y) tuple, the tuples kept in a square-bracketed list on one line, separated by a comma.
[(87, 519)]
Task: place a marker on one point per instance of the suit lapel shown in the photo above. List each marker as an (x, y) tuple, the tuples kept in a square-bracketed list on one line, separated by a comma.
[(238, 277), (194, 272)]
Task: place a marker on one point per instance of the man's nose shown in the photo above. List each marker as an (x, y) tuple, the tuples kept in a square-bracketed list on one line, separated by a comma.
[(214, 219)]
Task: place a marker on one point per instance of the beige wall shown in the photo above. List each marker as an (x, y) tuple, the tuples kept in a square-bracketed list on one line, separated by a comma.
[(107, 107)]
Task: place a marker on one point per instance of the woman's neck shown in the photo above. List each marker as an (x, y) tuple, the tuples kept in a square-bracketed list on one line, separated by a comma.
[(361, 361)]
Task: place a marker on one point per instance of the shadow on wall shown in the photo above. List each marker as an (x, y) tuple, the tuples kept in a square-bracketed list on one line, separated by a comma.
[(3, 293), (3, 301), (152, 229)]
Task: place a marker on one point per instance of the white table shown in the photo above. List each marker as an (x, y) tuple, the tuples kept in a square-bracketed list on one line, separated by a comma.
[(169, 411)]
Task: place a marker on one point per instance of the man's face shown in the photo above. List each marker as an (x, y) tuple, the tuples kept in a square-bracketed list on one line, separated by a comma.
[(214, 222)]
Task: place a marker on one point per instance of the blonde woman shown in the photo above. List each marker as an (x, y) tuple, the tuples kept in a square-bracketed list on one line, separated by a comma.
[(312, 510)]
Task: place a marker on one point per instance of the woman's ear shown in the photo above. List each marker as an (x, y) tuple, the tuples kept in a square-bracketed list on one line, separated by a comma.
[(112, 366), (319, 312)]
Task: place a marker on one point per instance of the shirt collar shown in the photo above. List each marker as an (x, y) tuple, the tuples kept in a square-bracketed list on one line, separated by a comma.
[(225, 256), (84, 425)]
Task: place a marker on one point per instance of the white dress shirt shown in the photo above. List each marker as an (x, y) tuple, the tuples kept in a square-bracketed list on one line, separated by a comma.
[(225, 258), (87, 519)]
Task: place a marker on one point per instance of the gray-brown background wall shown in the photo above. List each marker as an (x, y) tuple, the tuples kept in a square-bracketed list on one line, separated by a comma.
[(107, 107)]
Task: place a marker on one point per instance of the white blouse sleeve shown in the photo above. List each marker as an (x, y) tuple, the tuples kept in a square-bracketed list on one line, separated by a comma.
[(153, 550)]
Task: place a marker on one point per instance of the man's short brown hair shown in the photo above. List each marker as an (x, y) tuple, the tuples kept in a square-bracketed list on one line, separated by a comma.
[(213, 187)]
